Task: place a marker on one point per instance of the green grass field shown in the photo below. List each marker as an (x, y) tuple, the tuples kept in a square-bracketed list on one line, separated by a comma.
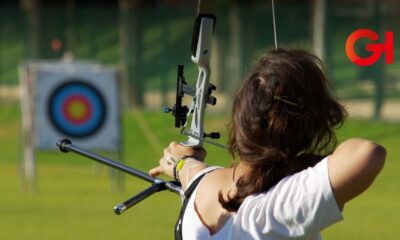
[(74, 198)]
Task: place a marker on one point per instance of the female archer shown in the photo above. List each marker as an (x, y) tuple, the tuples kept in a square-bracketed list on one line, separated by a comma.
[(288, 180)]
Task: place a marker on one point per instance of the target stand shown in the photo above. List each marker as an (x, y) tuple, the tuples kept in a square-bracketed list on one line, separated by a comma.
[(75, 100)]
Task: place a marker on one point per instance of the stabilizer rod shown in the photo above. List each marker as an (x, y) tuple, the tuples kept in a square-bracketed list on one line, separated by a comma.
[(65, 145), (155, 187)]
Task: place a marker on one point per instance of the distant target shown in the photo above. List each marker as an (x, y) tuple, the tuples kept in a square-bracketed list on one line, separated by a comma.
[(76, 109)]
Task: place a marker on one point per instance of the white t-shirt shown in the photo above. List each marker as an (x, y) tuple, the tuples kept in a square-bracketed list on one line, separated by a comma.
[(298, 207)]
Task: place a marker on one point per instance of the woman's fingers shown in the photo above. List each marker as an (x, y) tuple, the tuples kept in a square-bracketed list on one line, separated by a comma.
[(166, 165), (156, 171)]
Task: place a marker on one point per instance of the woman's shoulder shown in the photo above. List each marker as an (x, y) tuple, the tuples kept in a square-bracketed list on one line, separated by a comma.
[(206, 172), (216, 181), (209, 210)]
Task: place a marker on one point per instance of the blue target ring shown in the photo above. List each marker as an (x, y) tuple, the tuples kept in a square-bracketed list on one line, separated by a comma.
[(76, 109)]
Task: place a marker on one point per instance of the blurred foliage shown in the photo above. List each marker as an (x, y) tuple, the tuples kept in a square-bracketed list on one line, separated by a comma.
[(93, 32)]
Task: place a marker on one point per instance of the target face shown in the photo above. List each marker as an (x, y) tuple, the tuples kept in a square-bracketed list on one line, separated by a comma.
[(76, 109), (78, 101)]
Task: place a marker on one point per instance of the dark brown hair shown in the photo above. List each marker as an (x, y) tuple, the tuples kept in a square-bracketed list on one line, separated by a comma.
[(283, 120)]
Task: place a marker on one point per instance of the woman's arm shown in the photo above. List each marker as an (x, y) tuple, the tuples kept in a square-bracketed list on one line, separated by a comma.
[(353, 167), (191, 165)]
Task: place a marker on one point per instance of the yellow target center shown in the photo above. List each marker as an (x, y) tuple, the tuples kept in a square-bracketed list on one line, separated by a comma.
[(77, 109)]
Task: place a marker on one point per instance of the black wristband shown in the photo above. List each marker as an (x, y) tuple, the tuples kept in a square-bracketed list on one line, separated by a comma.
[(176, 177)]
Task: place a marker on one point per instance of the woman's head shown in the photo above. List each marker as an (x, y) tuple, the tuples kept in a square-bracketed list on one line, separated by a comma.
[(284, 103), (284, 108)]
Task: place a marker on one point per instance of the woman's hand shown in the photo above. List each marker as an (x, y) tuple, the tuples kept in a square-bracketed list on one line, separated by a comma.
[(172, 154)]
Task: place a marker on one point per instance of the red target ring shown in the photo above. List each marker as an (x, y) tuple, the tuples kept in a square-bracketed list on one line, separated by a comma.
[(77, 109)]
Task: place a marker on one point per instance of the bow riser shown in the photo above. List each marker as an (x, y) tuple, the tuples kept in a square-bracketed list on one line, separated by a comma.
[(201, 58)]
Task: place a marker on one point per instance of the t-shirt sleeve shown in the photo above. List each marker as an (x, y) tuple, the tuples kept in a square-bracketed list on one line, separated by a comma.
[(298, 206)]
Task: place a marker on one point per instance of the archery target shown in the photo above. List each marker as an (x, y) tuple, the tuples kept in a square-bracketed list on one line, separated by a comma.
[(79, 102), (76, 109)]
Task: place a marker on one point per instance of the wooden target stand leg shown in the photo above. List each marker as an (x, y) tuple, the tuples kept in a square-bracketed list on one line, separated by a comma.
[(28, 172), (27, 167)]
